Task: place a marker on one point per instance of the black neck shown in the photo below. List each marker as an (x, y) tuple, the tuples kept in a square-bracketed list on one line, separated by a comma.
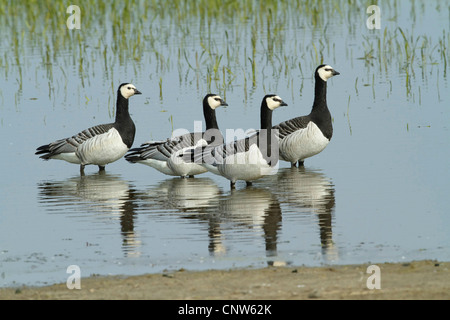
[(320, 114), (124, 124), (210, 117), (122, 108), (320, 94), (266, 117), (266, 146)]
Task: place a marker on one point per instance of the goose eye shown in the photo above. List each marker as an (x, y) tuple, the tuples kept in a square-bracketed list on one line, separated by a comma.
[(129, 88)]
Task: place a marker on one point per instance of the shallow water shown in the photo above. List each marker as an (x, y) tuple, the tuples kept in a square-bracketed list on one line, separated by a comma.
[(379, 191)]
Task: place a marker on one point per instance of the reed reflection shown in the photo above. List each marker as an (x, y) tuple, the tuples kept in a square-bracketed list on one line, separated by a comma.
[(99, 193)]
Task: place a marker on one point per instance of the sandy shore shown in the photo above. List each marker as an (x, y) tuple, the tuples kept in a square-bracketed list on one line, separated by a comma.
[(415, 280)]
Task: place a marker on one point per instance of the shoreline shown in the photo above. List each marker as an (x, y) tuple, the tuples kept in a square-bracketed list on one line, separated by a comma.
[(426, 279)]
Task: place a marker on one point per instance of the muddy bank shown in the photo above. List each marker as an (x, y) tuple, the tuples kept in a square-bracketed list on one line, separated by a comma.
[(415, 280)]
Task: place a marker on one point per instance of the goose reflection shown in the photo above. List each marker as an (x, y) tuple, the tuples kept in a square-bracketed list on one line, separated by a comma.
[(183, 195), (251, 208), (248, 209), (193, 196), (95, 193), (309, 191)]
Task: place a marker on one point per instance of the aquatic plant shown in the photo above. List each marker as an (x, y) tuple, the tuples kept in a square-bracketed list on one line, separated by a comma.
[(212, 45)]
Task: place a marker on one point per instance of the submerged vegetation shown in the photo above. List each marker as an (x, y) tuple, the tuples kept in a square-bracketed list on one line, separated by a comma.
[(214, 45)]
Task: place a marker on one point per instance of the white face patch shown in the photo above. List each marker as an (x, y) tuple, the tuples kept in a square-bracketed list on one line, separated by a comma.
[(273, 102), (127, 90), (326, 72), (214, 101)]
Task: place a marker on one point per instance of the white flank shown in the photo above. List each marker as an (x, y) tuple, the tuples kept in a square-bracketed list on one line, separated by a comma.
[(303, 143), (211, 168), (102, 149), (181, 168), (247, 166), (69, 157), (159, 165)]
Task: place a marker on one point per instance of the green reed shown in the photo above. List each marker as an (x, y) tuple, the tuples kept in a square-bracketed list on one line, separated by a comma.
[(213, 45)]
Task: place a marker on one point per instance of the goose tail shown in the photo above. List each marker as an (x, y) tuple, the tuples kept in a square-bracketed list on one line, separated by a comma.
[(44, 151)]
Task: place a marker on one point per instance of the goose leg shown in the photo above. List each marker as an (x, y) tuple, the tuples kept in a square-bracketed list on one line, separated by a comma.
[(249, 183), (82, 169), (191, 176), (301, 163), (293, 164), (101, 168), (232, 185)]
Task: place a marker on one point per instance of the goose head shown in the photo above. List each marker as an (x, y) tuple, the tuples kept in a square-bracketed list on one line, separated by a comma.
[(273, 101), (127, 90), (325, 72), (214, 101)]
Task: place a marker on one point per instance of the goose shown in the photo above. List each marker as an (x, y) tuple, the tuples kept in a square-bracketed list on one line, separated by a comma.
[(163, 155), (101, 144), (248, 159), (306, 136)]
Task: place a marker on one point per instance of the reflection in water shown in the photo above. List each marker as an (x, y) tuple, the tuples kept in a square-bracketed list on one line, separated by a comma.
[(250, 208), (194, 196), (245, 213), (253, 208), (96, 193), (303, 189), (184, 194)]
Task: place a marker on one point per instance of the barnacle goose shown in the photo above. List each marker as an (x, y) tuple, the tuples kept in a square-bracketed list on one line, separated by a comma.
[(247, 159), (306, 136), (101, 144), (163, 155)]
